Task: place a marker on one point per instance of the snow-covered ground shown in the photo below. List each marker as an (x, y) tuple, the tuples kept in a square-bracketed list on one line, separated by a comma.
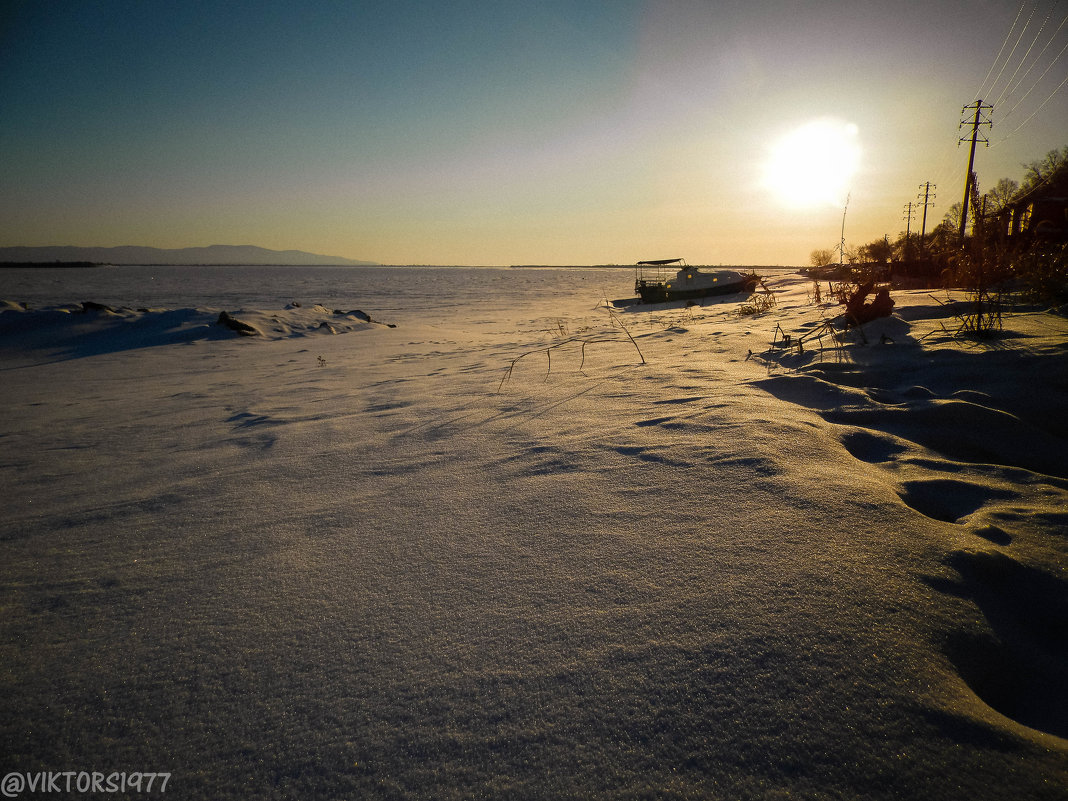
[(490, 553)]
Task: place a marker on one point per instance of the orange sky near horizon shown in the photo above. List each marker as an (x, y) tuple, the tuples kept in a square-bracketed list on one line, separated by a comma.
[(510, 133)]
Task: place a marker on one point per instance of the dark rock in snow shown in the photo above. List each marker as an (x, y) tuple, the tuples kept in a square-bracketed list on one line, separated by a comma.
[(354, 313), (90, 305), (244, 329)]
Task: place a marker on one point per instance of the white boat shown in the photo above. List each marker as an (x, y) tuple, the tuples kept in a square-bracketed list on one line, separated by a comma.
[(654, 284)]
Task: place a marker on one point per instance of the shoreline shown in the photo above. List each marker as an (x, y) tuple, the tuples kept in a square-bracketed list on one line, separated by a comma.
[(33, 265)]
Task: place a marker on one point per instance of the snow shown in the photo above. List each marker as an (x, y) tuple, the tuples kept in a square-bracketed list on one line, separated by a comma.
[(362, 561)]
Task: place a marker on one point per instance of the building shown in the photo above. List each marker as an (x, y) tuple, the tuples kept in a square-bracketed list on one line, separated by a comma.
[(1040, 213)]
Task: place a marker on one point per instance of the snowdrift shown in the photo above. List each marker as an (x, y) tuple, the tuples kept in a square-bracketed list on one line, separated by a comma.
[(301, 565), (89, 328)]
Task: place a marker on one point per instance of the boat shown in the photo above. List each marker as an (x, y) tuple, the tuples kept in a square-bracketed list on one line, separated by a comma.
[(654, 284)]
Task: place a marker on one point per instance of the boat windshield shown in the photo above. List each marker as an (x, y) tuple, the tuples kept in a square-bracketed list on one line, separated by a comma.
[(656, 271)]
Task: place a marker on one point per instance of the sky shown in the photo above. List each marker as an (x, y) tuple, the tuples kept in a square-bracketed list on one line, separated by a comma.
[(494, 132)]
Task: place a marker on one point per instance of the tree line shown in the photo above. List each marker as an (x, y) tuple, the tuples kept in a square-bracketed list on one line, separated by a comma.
[(941, 258)]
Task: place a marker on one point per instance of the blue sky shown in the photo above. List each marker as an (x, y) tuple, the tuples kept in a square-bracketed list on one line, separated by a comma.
[(500, 132)]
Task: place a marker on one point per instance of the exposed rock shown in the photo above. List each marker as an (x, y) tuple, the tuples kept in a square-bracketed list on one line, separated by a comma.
[(355, 313), (244, 329), (362, 315), (90, 305)]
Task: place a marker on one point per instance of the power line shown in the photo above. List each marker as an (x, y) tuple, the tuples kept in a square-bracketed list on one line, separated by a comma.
[(1015, 83), (1016, 44), (1040, 78), (1033, 64), (1023, 58), (1035, 112), (1004, 42), (1036, 83)]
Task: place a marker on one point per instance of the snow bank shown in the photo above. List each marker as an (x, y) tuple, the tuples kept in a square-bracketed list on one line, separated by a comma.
[(88, 328)]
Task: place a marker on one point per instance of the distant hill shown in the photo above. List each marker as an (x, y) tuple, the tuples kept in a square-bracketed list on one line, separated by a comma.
[(131, 254)]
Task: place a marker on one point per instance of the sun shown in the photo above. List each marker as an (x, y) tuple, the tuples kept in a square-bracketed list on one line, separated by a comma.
[(813, 165)]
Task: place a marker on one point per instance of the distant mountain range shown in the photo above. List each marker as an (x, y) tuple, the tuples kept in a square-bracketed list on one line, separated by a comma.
[(132, 254)]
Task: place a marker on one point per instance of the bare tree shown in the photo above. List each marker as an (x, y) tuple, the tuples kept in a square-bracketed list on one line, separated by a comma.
[(952, 218), (822, 257), (1038, 171), (1001, 195)]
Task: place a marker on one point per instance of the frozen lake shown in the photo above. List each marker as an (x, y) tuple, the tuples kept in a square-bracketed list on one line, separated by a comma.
[(391, 293)]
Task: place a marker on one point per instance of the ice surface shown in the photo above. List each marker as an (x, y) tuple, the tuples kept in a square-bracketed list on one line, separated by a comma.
[(318, 566)]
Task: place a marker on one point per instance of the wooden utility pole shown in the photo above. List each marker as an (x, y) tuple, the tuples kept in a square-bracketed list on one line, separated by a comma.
[(908, 229), (927, 201), (979, 107)]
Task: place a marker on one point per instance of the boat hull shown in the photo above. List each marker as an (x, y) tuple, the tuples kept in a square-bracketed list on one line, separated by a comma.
[(655, 292)]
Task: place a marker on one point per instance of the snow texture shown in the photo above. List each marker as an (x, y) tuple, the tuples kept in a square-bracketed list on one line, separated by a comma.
[(448, 560)]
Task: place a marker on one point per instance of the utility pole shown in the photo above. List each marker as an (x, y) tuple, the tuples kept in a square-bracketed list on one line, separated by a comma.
[(927, 201), (969, 179), (908, 219), (908, 225)]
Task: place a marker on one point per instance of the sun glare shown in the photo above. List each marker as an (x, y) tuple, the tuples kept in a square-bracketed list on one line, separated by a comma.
[(814, 164)]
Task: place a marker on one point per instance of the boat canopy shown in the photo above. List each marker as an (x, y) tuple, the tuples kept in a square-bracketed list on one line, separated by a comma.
[(658, 262)]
